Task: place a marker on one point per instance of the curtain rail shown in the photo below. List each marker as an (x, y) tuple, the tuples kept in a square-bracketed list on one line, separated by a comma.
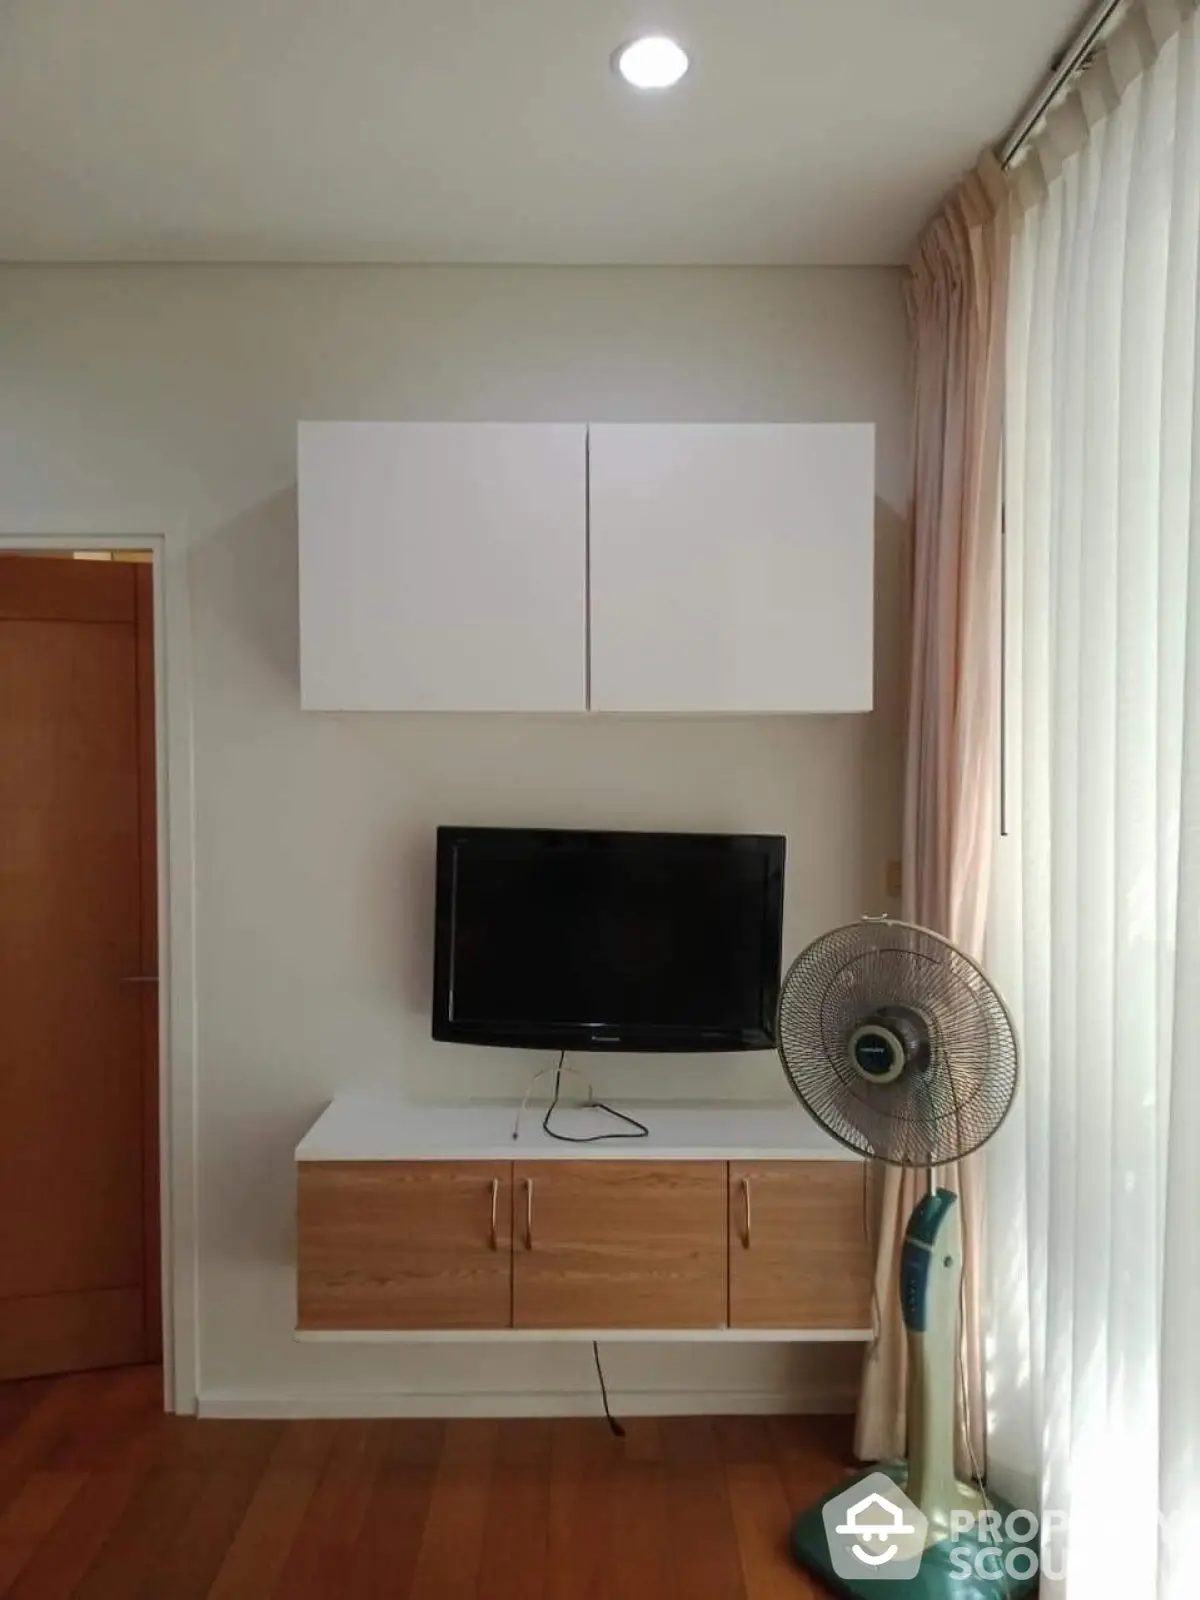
[(1069, 61)]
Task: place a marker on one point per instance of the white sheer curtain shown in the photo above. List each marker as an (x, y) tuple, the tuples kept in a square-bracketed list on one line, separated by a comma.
[(1094, 1184)]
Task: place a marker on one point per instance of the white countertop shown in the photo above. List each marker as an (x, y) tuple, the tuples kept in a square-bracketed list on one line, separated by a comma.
[(358, 1127)]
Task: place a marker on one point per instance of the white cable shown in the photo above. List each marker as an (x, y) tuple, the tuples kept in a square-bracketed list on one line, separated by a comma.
[(542, 1072)]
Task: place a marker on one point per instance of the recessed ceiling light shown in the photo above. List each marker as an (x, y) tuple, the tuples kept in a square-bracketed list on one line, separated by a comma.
[(654, 62)]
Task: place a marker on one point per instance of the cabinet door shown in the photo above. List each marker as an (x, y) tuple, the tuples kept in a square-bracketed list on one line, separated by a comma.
[(619, 1244), (732, 567), (798, 1255), (442, 566), (405, 1244)]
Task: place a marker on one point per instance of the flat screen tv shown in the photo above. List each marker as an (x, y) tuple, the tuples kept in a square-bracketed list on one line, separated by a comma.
[(553, 939)]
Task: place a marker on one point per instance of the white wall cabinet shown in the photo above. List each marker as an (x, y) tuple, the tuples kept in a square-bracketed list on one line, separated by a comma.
[(732, 567), (442, 566), (644, 568)]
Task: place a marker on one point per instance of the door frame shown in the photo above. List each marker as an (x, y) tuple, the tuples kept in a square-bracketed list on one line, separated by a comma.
[(166, 541)]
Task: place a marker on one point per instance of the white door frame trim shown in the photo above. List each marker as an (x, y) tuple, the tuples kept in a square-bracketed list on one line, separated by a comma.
[(166, 540)]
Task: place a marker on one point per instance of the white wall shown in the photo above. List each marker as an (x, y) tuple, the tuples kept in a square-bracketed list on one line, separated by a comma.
[(129, 394)]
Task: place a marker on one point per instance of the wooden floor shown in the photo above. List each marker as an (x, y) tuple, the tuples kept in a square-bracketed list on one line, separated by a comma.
[(101, 1495)]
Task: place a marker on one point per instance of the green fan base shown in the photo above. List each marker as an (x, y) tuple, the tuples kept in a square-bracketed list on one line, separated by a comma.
[(938, 1578)]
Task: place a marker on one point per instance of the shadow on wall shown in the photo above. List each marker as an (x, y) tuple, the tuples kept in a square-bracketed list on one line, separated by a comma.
[(881, 794), (414, 904), (255, 560)]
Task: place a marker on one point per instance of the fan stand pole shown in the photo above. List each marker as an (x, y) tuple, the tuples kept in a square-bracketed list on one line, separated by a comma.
[(933, 1362)]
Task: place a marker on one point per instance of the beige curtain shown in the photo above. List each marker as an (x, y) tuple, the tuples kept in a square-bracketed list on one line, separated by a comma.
[(956, 303)]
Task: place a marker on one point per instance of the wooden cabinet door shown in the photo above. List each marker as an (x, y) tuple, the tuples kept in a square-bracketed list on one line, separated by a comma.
[(731, 567), (405, 1244), (619, 1244), (798, 1255), (443, 566)]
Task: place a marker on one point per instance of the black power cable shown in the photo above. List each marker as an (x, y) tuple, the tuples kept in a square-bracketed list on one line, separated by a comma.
[(641, 1131), (616, 1427)]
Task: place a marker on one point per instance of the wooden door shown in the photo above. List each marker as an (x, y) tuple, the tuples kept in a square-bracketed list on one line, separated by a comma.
[(404, 1244), (798, 1255), (79, 1251), (619, 1244), (731, 567), (443, 566)]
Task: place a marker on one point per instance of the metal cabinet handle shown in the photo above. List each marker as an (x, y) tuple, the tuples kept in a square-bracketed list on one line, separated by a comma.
[(141, 977), (529, 1213), (495, 1197), (746, 1204)]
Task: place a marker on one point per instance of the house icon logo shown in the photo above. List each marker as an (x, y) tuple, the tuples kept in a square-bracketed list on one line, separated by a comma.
[(876, 1518), (874, 1530)]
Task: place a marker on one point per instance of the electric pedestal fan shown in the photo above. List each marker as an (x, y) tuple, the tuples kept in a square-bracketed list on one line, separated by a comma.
[(897, 1044)]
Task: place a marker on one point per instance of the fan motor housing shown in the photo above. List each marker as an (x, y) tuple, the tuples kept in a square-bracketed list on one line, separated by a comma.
[(891, 1041)]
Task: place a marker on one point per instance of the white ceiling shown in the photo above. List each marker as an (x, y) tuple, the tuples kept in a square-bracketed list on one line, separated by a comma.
[(494, 130)]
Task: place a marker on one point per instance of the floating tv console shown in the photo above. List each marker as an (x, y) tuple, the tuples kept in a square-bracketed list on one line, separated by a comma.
[(727, 1223)]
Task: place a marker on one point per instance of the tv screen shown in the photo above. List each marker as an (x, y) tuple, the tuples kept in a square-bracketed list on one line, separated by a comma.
[(607, 941)]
